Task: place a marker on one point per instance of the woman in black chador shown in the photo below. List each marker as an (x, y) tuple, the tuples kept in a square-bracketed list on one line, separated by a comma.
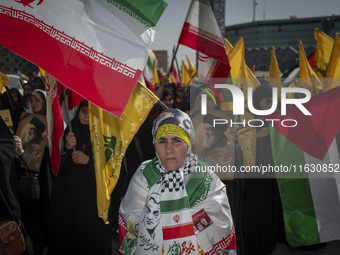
[(75, 225)]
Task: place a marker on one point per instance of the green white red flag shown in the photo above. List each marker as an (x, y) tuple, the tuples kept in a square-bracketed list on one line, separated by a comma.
[(310, 193), (200, 32), (97, 48), (55, 123)]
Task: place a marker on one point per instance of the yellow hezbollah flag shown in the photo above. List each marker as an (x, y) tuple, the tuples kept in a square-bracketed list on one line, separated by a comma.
[(155, 74), (247, 137), (185, 75), (322, 53), (308, 78), (333, 70), (235, 58), (110, 137), (192, 70), (253, 69), (274, 73), (227, 45), (4, 80), (42, 72)]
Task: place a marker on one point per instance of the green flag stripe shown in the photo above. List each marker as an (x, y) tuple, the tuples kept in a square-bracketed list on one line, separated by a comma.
[(170, 206), (296, 196), (147, 12), (150, 172), (149, 64)]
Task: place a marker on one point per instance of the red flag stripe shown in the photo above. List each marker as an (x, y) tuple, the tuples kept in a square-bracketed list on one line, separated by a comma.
[(178, 231), (198, 40), (57, 124), (85, 66)]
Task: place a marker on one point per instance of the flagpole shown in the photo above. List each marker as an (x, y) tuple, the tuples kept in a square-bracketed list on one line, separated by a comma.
[(173, 58), (67, 116), (162, 104), (179, 73)]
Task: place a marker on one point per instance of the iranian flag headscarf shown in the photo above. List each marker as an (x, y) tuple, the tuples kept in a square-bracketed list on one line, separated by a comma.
[(185, 211)]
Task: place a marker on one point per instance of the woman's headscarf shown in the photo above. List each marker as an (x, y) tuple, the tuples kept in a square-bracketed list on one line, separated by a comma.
[(174, 122), (83, 136), (81, 131), (265, 90), (41, 95), (167, 92)]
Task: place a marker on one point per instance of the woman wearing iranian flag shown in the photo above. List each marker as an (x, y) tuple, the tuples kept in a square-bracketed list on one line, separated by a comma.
[(170, 193)]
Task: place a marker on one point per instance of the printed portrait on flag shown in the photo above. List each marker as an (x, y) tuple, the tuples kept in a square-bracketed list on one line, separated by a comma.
[(215, 140), (152, 215), (201, 221), (31, 130)]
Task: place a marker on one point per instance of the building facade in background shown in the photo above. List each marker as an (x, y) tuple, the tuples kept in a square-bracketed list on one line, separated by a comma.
[(284, 35)]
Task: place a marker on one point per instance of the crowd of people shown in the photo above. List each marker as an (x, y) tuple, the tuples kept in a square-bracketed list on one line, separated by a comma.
[(159, 190)]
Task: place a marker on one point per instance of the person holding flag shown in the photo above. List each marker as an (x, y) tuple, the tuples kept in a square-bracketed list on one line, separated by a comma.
[(32, 155), (75, 226), (172, 191)]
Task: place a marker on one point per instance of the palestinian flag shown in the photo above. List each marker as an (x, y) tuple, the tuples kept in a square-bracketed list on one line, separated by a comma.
[(310, 192)]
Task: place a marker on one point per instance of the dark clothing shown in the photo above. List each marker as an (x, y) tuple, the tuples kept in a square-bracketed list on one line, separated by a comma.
[(7, 175), (75, 226), (263, 220), (6, 102), (235, 192)]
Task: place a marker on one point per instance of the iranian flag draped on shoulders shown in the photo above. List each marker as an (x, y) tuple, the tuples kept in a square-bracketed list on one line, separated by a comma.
[(97, 48), (201, 33), (310, 190)]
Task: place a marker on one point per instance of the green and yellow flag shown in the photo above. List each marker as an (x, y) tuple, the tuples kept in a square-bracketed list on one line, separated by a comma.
[(333, 70), (185, 75), (308, 79), (110, 137), (155, 74), (322, 53), (227, 45), (192, 70), (274, 73), (4, 80)]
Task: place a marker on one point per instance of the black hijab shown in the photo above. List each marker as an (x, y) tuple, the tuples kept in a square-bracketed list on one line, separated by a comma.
[(81, 132)]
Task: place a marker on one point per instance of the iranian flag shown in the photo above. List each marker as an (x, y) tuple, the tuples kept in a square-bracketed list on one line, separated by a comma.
[(97, 48), (310, 193), (201, 33), (55, 122)]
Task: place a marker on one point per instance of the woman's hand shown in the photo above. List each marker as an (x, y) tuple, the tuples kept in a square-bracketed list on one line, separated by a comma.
[(18, 146), (70, 141), (80, 157)]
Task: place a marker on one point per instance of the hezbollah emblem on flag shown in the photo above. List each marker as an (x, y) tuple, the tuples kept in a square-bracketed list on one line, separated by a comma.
[(175, 249), (110, 144)]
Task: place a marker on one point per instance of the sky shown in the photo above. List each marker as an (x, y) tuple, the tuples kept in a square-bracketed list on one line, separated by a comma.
[(170, 24)]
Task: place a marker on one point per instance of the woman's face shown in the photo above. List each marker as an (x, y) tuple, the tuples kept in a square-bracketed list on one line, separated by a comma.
[(27, 89), (15, 97), (168, 101), (84, 115), (36, 104), (172, 152)]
